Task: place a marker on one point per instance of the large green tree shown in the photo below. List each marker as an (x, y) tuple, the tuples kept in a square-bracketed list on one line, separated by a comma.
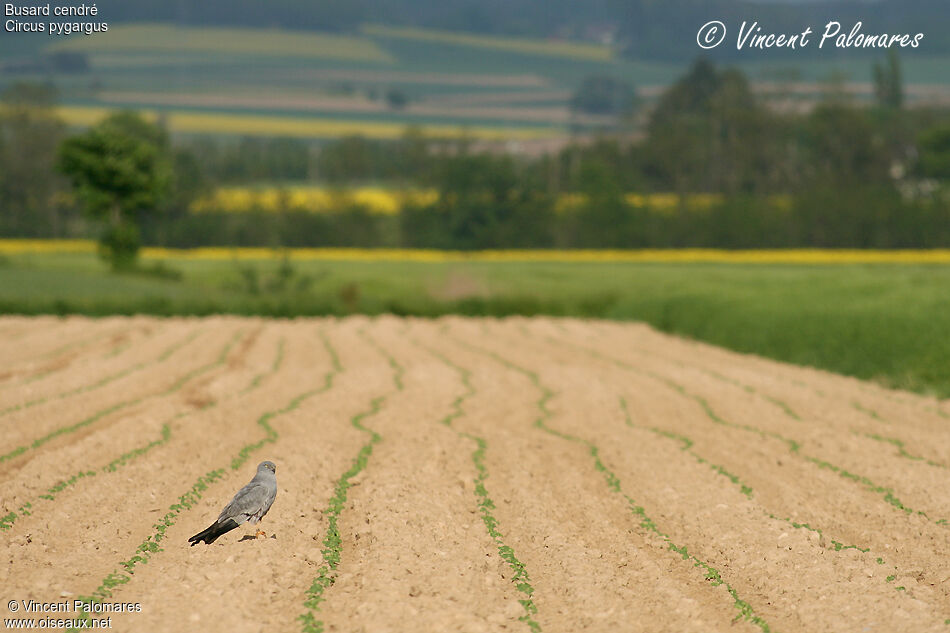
[(708, 132), (120, 170)]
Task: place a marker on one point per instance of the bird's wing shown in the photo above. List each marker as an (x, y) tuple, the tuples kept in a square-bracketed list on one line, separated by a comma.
[(271, 495), (249, 501)]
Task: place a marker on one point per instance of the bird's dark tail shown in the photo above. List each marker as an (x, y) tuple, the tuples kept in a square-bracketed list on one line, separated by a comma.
[(212, 532)]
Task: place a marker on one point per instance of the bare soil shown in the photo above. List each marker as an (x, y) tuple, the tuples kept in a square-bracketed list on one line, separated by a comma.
[(463, 475)]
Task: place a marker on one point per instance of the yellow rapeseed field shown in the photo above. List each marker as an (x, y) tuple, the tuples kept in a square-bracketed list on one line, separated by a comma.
[(662, 203), (770, 256), (384, 201), (16, 247), (302, 127), (573, 50), (310, 199), (167, 38)]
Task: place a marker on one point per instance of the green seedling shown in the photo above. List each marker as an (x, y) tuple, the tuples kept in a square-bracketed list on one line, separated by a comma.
[(332, 542)]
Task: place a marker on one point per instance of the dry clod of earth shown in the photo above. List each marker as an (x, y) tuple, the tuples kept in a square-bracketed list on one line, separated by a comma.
[(458, 474)]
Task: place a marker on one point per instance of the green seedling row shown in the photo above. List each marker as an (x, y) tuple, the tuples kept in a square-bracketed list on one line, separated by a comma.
[(77, 345), (275, 367), (781, 404), (80, 344), (332, 542), (6, 522), (746, 612), (793, 446), (686, 445), (520, 577), (102, 382), (27, 509), (902, 451), (151, 545), (868, 412), (64, 430)]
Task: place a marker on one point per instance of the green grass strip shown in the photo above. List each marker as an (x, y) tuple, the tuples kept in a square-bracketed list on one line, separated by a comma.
[(520, 577), (151, 545), (102, 381), (95, 417), (746, 612), (332, 542)]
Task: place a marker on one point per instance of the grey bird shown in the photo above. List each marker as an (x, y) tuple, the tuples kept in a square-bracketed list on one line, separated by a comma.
[(250, 503)]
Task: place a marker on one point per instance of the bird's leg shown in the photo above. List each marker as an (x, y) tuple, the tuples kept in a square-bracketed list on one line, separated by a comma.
[(260, 533)]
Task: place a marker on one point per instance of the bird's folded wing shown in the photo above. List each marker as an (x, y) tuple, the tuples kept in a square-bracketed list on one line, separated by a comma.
[(249, 500)]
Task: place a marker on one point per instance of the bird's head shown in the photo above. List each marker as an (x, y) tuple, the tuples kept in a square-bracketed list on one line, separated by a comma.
[(267, 466)]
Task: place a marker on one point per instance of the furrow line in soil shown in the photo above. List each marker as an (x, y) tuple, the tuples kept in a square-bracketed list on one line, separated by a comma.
[(520, 577), (124, 404), (151, 546), (332, 542), (793, 446), (102, 382), (274, 368), (27, 509), (746, 611)]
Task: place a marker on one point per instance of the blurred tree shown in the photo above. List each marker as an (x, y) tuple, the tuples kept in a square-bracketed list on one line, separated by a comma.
[(843, 147), (484, 202), (602, 94), (352, 158), (709, 133), (605, 220), (396, 99), (888, 82), (119, 169), (355, 159), (934, 153), (264, 159), (413, 157)]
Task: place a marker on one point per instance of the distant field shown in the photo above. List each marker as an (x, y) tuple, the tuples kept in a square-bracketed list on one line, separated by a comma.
[(235, 81), (888, 321), (204, 122), (525, 46), (164, 38), (215, 79), (356, 106)]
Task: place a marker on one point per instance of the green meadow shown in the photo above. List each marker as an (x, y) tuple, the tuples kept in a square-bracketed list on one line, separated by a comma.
[(884, 322)]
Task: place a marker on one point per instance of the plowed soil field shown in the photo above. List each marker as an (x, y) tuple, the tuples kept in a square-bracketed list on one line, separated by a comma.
[(460, 475)]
